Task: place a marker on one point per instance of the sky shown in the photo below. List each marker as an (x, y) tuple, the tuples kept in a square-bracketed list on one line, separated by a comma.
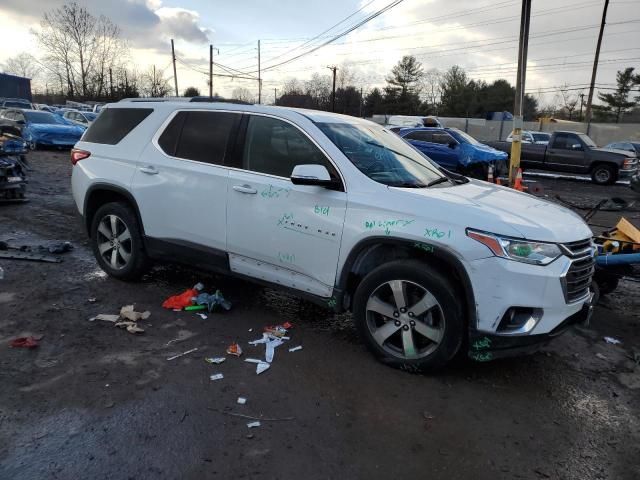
[(478, 35)]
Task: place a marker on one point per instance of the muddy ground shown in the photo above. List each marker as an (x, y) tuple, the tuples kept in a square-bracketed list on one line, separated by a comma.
[(97, 402)]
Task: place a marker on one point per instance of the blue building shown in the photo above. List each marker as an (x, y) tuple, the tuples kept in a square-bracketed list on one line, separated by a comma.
[(12, 86)]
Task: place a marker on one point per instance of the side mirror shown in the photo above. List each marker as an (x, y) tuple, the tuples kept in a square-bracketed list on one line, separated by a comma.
[(317, 175), (452, 145)]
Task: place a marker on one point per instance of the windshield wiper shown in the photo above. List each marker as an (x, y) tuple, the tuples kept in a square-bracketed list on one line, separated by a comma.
[(408, 185), (437, 181)]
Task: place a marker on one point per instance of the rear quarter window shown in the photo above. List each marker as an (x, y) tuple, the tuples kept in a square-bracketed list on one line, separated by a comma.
[(113, 124)]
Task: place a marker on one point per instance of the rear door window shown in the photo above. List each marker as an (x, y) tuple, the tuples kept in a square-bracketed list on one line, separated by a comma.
[(442, 138), (200, 136), (114, 124), (420, 136)]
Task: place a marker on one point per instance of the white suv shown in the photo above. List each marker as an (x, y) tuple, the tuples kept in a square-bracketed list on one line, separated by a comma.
[(343, 212)]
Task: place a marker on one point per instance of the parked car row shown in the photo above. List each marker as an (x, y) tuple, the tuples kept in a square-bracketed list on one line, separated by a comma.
[(40, 128)]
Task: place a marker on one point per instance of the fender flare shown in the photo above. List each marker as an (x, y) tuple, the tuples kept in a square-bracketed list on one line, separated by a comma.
[(442, 254), (99, 187)]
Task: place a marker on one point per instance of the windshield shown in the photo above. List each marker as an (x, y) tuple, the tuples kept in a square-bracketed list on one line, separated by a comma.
[(462, 136), (586, 140), (381, 155), (43, 117), (17, 105), (541, 137)]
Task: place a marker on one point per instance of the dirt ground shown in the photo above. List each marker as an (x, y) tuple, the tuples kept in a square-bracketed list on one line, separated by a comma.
[(94, 401)]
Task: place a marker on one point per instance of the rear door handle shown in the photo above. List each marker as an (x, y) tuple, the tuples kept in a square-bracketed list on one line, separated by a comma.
[(245, 189), (149, 169)]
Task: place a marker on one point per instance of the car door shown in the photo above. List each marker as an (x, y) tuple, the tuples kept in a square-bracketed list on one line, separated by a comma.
[(180, 184), (566, 153), (277, 231), (445, 150)]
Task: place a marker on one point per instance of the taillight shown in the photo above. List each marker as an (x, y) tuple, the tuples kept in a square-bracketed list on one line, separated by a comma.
[(77, 155)]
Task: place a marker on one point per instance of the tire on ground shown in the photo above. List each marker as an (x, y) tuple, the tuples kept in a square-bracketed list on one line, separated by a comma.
[(444, 292), (138, 264)]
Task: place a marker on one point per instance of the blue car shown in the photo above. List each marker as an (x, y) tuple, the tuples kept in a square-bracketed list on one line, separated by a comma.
[(39, 128), (455, 150)]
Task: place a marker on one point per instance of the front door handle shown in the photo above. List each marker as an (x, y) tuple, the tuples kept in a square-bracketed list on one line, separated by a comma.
[(245, 189), (149, 169)]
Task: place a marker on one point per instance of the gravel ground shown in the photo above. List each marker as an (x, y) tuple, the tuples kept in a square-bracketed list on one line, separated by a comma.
[(94, 401)]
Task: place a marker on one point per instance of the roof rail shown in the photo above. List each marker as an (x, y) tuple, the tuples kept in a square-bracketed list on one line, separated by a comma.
[(217, 98), (155, 99)]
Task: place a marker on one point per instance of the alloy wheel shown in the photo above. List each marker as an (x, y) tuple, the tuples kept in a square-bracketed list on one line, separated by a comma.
[(603, 175), (114, 241), (405, 319)]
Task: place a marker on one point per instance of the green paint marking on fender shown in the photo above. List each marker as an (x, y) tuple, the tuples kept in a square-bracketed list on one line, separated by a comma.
[(331, 302), (424, 246), (482, 356), (286, 257), (321, 210), (482, 344), (387, 225), (275, 192)]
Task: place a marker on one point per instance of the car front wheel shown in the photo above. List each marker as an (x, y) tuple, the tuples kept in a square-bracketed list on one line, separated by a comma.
[(408, 315), (117, 242)]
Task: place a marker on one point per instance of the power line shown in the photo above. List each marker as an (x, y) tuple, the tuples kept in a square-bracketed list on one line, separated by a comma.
[(338, 36)]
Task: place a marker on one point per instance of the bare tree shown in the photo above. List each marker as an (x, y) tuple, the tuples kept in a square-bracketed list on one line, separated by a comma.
[(430, 87), (154, 83), (569, 101), (292, 85), (319, 88), (346, 76), (22, 65), (80, 48), (243, 94)]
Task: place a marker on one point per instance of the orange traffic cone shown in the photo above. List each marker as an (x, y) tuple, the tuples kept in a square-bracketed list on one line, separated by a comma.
[(518, 183), (490, 174)]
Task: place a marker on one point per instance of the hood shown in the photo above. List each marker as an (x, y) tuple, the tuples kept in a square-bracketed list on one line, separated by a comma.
[(626, 153), (55, 128), (501, 210), (480, 153)]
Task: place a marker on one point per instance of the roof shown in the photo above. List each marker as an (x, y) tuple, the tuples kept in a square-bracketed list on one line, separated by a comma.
[(14, 76), (172, 103)]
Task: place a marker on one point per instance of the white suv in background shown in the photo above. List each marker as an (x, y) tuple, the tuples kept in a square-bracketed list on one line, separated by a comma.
[(343, 212)]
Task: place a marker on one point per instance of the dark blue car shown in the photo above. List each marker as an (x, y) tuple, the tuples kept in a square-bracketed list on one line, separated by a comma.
[(455, 150)]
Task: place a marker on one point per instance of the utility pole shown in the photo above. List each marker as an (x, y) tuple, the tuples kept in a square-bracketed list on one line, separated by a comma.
[(361, 101), (111, 82), (210, 72), (333, 68), (518, 108), (587, 114), (175, 75), (275, 96), (581, 105), (154, 82), (259, 77)]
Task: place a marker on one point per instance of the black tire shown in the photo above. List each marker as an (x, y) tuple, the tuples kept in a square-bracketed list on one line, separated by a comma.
[(607, 285), (448, 315), (138, 262), (604, 174)]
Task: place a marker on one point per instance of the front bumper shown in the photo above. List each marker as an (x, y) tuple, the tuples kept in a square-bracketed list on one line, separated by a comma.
[(500, 285), (484, 347), (624, 174)]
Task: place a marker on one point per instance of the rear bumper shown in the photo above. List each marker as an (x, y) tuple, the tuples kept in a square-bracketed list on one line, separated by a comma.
[(484, 347)]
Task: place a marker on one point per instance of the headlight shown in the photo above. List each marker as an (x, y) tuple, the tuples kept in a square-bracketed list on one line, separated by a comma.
[(536, 253)]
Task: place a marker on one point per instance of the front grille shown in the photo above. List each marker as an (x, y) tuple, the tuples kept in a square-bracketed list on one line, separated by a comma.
[(577, 280)]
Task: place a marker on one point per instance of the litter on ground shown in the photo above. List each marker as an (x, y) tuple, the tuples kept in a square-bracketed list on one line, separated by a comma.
[(216, 360), (242, 400), (253, 424), (212, 301), (295, 349), (24, 342), (184, 299), (612, 341), (234, 349), (182, 354), (126, 319), (202, 316), (217, 376)]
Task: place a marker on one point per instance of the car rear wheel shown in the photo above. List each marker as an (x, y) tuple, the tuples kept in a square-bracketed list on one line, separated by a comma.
[(117, 242), (604, 174), (408, 316)]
